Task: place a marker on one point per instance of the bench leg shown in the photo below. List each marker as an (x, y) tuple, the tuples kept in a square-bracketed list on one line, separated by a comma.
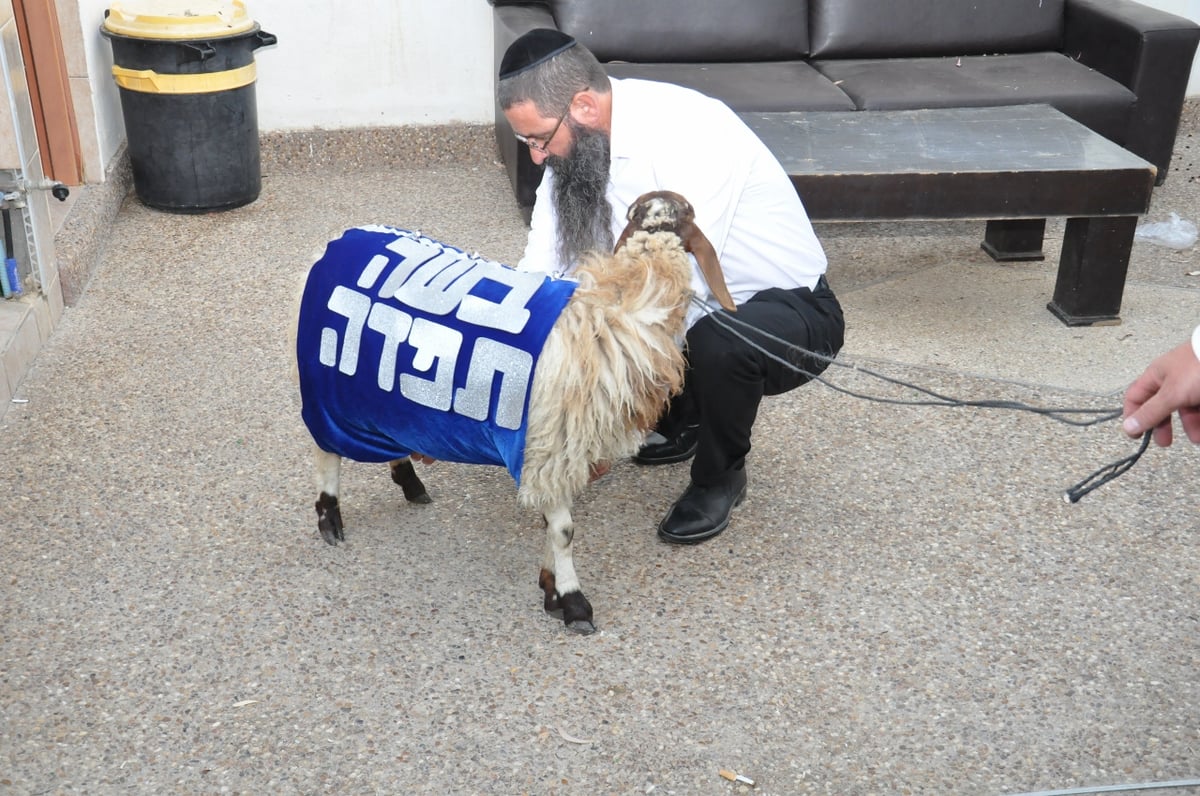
[(1091, 271), (1011, 240)]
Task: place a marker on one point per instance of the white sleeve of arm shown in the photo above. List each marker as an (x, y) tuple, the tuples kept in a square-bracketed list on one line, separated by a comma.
[(541, 247), (1196, 342)]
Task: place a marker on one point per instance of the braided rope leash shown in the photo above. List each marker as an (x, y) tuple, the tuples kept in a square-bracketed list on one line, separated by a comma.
[(1106, 473), (1060, 414)]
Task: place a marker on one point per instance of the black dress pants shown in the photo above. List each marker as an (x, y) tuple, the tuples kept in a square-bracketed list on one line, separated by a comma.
[(727, 377)]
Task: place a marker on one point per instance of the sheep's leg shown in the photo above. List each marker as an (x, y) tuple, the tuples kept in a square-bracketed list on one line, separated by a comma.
[(558, 579), (329, 476), (404, 474)]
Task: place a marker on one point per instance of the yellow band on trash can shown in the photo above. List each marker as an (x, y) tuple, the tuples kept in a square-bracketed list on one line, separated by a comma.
[(148, 81)]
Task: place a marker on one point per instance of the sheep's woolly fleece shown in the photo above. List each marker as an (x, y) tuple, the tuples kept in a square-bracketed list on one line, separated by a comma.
[(608, 367)]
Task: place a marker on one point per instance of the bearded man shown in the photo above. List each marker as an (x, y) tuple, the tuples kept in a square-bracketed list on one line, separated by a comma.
[(604, 143)]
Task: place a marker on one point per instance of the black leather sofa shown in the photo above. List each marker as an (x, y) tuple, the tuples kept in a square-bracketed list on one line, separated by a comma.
[(1117, 66)]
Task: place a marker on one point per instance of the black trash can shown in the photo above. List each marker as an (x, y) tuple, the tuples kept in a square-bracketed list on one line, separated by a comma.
[(186, 76)]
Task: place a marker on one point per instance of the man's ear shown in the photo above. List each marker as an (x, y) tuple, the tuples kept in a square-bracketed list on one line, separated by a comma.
[(586, 110)]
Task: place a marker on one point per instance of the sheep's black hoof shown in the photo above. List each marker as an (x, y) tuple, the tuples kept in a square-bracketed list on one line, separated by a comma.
[(573, 609), (581, 627), (584, 627), (405, 475), (329, 519), (577, 613)]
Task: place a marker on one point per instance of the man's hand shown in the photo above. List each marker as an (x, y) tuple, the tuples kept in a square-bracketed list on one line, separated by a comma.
[(1170, 384)]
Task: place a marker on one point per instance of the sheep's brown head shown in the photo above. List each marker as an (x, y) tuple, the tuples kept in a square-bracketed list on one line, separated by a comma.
[(658, 211), (667, 211)]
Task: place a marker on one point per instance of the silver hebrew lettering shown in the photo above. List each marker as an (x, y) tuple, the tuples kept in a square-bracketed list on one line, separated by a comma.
[(512, 313), (354, 307), (436, 346), (439, 280), (371, 273), (515, 368), (394, 325), (436, 286), (413, 254)]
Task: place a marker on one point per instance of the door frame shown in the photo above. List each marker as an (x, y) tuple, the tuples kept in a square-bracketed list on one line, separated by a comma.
[(49, 90)]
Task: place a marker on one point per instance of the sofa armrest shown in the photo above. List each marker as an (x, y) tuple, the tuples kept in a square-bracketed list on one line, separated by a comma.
[(510, 22), (1146, 50)]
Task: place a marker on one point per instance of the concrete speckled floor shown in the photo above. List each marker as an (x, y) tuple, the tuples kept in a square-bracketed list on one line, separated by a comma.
[(904, 604)]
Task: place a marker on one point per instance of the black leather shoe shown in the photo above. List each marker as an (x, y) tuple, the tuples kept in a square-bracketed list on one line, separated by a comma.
[(703, 512), (662, 450)]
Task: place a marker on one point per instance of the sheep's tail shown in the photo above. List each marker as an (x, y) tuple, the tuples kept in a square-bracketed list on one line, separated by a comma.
[(608, 367)]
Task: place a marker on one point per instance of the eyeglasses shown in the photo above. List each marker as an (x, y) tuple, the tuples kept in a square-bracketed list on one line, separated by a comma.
[(538, 142)]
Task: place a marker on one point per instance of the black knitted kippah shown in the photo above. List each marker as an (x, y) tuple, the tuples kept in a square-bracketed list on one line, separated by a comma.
[(535, 47)]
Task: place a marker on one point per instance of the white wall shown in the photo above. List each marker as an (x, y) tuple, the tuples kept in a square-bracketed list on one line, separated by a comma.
[(367, 63), (374, 63), (110, 128)]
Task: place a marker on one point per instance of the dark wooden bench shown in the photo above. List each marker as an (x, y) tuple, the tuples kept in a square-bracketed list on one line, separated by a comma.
[(1011, 166)]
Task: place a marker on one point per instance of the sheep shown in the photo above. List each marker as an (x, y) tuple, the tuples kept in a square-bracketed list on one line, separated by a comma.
[(608, 364)]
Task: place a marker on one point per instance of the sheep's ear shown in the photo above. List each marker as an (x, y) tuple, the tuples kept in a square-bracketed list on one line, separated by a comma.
[(634, 215), (695, 242), (624, 237)]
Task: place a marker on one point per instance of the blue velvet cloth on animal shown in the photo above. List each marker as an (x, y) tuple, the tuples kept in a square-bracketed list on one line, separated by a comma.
[(407, 345)]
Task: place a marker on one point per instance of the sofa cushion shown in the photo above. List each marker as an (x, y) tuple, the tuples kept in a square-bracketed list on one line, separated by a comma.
[(687, 30), (1051, 78), (776, 86), (909, 28)]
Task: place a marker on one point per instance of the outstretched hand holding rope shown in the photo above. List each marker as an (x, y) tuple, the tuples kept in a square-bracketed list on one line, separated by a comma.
[(1171, 384)]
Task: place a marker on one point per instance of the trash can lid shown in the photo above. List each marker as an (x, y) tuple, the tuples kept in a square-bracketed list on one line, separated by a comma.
[(178, 19)]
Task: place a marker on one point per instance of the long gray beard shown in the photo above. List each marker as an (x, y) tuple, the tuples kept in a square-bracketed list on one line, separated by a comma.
[(580, 181)]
